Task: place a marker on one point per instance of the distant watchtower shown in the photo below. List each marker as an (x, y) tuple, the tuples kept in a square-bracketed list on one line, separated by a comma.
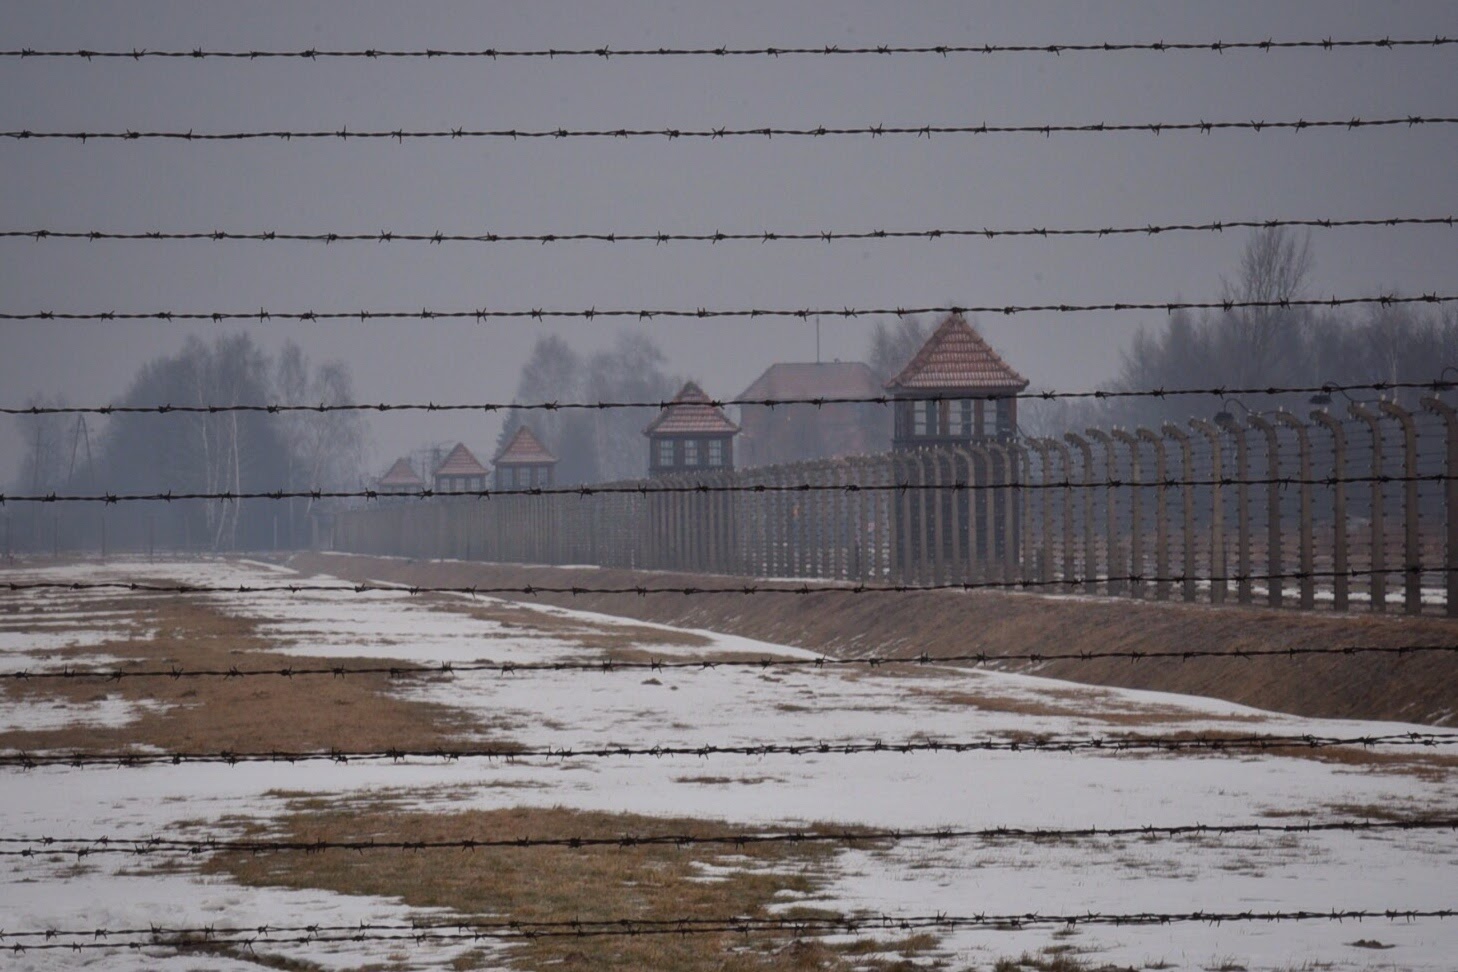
[(460, 472), (524, 463), (690, 435), (954, 391), (400, 480)]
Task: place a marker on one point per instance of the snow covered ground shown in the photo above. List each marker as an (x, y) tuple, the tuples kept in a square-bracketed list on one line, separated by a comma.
[(729, 706)]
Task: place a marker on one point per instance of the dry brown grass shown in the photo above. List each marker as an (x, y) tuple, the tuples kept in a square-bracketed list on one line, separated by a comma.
[(1415, 688), (550, 884), (314, 712)]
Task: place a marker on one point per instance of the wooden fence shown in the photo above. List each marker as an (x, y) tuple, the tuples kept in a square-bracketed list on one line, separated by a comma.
[(1359, 511)]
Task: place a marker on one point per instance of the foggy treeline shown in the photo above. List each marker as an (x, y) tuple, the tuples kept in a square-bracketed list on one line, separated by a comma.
[(178, 452), (1263, 347), (593, 445)]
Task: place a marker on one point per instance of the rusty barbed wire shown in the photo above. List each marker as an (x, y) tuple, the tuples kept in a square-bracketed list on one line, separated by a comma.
[(608, 666), (766, 132), (605, 52), (1435, 386), (766, 236), (82, 847), (512, 753), (828, 586), (479, 930), (705, 313), (704, 488)]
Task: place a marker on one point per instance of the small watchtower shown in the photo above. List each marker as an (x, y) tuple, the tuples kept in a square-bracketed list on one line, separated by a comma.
[(400, 480), (956, 390), (691, 434), (524, 463), (460, 472)]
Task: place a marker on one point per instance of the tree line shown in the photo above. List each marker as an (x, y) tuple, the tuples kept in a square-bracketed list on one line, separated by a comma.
[(219, 452)]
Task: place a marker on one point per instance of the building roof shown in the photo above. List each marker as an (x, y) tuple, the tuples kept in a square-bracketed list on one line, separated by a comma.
[(956, 358), (797, 379), (524, 449), (401, 474), (690, 413), (460, 462)]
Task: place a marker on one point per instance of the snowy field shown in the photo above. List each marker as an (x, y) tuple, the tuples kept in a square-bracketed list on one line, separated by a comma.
[(738, 706)]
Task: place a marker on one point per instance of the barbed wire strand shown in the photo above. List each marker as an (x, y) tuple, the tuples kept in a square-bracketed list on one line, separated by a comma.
[(514, 753), (828, 586), (608, 666), (766, 236), (766, 132), (485, 930), (705, 313), (1435, 386), (704, 488), (605, 52), (82, 847)]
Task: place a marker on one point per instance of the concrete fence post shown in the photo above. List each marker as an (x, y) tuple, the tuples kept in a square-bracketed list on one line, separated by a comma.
[(1377, 556), (1412, 557), (1308, 565), (1111, 511), (1275, 558), (1450, 500), (1045, 526), (1187, 496), (1161, 515), (1340, 584), (1217, 509), (1136, 532), (1090, 551), (1070, 568)]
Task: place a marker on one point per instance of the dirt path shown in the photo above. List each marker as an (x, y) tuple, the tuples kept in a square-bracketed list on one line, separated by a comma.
[(1420, 688)]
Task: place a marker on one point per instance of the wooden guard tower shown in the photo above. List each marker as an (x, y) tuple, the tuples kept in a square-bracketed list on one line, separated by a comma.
[(691, 434), (460, 472), (954, 391), (524, 463), (955, 406), (400, 480)]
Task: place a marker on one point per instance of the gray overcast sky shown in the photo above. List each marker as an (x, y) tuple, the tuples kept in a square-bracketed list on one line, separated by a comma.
[(688, 186)]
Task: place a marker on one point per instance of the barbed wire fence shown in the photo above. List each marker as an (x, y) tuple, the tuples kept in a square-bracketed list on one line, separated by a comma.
[(1019, 514)]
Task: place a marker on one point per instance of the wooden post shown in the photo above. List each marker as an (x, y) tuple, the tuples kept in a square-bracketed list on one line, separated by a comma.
[(1377, 559), (975, 475), (1275, 558), (1217, 510), (1090, 551), (1412, 541), (1187, 497), (1136, 538), (1009, 527), (1340, 580), (1450, 500)]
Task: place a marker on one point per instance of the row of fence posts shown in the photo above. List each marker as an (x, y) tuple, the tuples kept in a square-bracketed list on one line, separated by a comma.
[(1165, 514)]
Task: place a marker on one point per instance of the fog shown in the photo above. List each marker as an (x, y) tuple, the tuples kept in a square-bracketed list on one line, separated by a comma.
[(686, 186)]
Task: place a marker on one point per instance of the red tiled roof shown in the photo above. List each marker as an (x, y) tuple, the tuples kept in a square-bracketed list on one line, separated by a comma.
[(690, 413), (401, 474), (956, 358), (524, 449), (831, 379), (460, 462)]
